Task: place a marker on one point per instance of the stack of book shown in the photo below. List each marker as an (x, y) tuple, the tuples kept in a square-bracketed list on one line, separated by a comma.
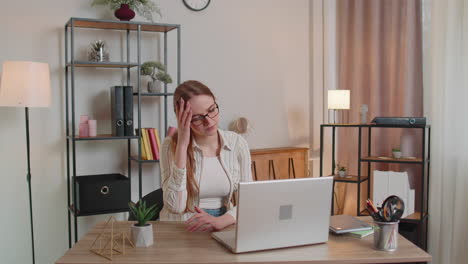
[(150, 144), (361, 234), (350, 225)]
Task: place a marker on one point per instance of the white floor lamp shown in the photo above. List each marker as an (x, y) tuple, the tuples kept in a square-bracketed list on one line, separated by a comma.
[(26, 84)]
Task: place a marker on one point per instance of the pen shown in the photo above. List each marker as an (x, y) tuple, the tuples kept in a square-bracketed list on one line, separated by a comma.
[(373, 211), (372, 214)]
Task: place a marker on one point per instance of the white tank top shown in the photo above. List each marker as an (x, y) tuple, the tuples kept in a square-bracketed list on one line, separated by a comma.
[(214, 184)]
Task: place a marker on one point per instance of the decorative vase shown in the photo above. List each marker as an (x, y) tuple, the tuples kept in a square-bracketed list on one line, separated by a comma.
[(342, 173), (154, 87), (124, 13), (142, 236)]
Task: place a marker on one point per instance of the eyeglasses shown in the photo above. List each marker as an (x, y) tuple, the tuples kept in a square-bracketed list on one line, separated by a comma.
[(213, 111)]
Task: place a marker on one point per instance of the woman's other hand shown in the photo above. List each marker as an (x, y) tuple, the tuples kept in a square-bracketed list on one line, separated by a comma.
[(204, 222)]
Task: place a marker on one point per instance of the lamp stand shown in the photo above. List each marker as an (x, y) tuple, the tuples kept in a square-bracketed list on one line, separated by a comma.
[(334, 116), (28, 178)]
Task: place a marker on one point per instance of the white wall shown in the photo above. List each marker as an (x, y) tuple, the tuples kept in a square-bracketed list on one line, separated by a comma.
[(253, 54)]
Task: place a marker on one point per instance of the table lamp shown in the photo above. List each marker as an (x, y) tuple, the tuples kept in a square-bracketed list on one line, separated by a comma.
[(26, 84), (338, 100)]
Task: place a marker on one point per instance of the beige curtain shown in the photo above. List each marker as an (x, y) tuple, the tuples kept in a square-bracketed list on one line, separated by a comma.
[(446, 70), (380, 60)]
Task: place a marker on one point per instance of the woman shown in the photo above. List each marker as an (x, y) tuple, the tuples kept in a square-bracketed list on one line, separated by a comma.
[(201, 165)]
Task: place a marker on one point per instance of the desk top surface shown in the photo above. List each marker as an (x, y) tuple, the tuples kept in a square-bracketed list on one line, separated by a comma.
[(173, 244)]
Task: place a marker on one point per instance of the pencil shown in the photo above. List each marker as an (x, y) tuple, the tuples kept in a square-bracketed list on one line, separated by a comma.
[(373, 207)]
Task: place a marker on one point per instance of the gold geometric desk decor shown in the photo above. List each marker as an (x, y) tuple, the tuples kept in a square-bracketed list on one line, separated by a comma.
[(110, 243)]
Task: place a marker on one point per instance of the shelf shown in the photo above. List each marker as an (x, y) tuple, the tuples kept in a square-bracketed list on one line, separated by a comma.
[(103, 137), (135, 34), (345, 125), (123, 210), (105, 64), (390, 160), (143, 161), (349, 178), (415, 219), (400, 126), (119, 25), (374, 125), (277, 150), (154, 94)]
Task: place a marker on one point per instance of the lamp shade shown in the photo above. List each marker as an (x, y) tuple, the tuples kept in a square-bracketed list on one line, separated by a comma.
[(25, 84), (338, 99)]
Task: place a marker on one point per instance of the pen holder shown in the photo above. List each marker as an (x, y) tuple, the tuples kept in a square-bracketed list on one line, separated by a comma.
[(386, 235)]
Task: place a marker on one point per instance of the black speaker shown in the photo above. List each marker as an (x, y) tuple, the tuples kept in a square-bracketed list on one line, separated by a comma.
[(400, 121), (102, 193)]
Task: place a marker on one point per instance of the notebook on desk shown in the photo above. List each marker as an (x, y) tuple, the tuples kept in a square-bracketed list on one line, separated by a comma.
[(280, 213), (340, 224)]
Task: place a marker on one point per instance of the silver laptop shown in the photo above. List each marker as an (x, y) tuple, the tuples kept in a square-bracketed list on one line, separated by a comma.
[(280, 213)]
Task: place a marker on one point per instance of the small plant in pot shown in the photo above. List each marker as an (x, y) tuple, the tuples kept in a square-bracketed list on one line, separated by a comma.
[(157, 72), (396, 153), (142, 231), (341, 170)]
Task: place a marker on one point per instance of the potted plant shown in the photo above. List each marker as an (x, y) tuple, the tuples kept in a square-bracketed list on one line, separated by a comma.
[(157, 72), (396, 153), (124, 9), (142, 231), (341, 170)]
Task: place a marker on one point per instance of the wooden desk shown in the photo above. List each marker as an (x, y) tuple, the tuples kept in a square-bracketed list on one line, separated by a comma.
[(175, 245)]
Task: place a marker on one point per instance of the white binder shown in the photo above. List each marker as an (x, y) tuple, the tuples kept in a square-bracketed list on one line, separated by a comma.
[(388, 183)]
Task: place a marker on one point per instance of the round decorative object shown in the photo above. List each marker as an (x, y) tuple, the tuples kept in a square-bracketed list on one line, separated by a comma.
[(240, 126), (393, 208), (196, 5), (105, 190), (124, 13)]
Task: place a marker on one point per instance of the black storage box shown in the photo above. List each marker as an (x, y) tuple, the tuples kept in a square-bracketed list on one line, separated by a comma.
[(102, 193), (409, 231)]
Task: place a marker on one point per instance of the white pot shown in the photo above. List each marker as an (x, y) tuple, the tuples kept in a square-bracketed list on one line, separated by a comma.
[(142, 236), (154, 87), (396, 154), (342, 173)]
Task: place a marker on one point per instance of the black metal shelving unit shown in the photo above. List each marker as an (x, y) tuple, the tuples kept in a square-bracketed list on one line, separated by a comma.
[(71, 64), (420, 218)]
